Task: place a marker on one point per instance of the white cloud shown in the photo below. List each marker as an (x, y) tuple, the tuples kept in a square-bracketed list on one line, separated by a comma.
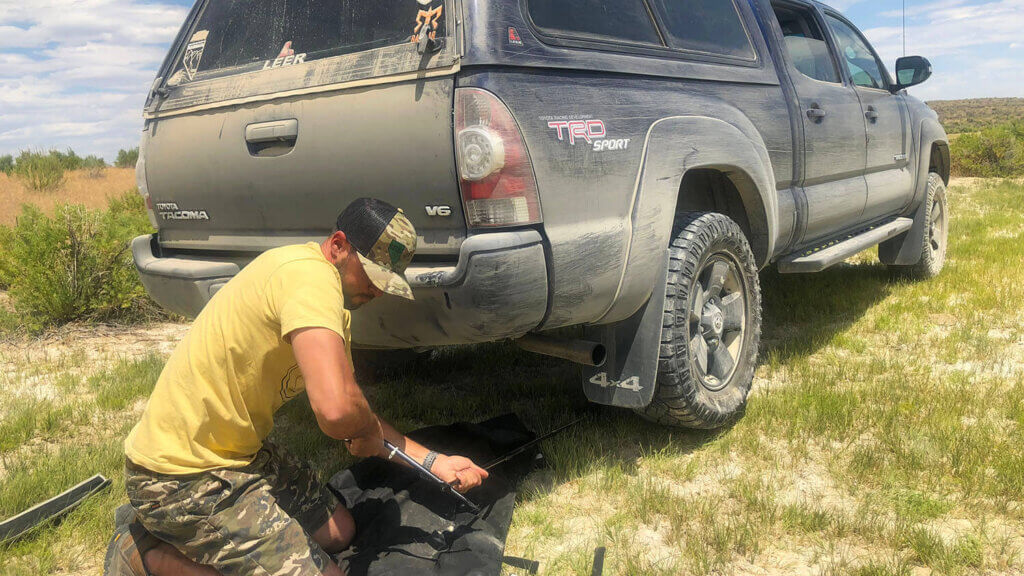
[(958, 37), (74, 73), (946, 27)]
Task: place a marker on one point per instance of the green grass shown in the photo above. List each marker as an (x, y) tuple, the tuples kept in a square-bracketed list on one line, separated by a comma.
[(885, 434), (70, 438)]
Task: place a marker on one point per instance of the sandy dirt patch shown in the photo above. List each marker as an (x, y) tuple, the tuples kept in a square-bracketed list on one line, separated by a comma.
[(31, 366)]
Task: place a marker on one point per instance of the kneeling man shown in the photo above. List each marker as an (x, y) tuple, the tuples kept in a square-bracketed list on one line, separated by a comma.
[(211, 495)]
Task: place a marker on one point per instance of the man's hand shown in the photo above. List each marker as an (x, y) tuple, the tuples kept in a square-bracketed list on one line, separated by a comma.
[(452, 468)]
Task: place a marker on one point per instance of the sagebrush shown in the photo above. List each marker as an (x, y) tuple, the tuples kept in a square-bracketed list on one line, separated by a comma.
[(75, 265), (996, 151), (39, 171), (127, 158)]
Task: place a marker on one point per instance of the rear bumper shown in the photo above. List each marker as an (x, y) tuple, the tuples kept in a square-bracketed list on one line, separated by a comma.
[(498, 289)]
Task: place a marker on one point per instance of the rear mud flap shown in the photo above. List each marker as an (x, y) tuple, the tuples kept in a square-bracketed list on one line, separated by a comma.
[(628, 377)]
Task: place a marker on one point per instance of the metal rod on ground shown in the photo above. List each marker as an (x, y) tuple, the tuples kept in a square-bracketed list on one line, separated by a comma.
[(531, 444), (444, 486)]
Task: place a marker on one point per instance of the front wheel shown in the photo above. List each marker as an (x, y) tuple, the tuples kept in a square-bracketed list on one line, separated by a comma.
[(936, 236), (712, 325)]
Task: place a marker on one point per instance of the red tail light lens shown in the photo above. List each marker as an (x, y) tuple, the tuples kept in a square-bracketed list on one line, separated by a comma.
[(495, 171)]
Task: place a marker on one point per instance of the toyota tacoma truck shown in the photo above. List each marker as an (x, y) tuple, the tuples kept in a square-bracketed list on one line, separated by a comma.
[(626, 167)]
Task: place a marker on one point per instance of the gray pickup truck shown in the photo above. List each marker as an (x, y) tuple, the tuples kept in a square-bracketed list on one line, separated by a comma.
[(622, 166)]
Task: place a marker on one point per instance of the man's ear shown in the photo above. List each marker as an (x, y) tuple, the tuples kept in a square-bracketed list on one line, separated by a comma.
[(339, 246)]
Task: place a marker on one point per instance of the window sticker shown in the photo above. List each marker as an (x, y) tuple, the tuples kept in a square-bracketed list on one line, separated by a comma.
[(429, 15), (194, 53), (286, 57)]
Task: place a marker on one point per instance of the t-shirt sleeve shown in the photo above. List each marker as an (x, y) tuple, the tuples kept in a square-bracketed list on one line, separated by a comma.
[(307, 294)]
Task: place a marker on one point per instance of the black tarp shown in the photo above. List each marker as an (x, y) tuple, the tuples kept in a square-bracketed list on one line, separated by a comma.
[(406, 525)]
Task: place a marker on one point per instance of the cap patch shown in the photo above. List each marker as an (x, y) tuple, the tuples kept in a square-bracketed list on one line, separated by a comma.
[(395, 250)]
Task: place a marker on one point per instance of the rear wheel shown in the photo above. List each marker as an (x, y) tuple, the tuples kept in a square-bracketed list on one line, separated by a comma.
[(712, 325), (933, 245)]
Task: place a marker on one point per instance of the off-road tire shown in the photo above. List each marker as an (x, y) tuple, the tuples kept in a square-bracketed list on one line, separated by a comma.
[(936, 235), (683, 398)]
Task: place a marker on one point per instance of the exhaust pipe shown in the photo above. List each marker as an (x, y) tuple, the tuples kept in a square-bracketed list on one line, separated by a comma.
[(578, 351)]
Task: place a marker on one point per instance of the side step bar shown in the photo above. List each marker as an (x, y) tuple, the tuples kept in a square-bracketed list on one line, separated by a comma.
[(835, 251)]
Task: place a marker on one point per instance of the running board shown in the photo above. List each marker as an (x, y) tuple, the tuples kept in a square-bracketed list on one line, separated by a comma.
[(835, 251)]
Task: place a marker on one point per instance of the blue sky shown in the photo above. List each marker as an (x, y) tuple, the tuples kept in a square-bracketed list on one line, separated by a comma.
[(74, 73)]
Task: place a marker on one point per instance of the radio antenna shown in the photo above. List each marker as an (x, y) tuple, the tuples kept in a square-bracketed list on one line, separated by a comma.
[(904, 27)]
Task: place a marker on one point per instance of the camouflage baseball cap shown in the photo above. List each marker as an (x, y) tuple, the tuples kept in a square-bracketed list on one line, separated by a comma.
[(385, 240)]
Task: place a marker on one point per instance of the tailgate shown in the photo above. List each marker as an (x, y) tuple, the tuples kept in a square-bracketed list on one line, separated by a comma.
[(392, 142)]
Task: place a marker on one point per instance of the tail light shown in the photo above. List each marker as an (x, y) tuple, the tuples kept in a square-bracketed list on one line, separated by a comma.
[(495, 171), (140, 181)]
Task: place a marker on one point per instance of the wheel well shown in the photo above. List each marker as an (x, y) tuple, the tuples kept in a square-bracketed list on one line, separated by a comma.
[(938, 162), (730, 192)]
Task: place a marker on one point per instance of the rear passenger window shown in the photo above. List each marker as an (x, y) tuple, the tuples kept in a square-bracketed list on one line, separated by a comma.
[(806, 45), (618, 21), (712, 26)]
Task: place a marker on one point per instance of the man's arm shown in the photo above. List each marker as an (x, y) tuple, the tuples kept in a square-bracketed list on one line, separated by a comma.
[(343, 413), (339, 405)]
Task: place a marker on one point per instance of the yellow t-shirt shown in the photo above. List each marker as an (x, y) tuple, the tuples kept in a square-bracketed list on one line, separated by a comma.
[(215, 400)]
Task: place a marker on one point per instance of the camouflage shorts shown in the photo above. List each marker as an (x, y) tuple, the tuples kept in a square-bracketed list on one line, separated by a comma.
[(253, 520)]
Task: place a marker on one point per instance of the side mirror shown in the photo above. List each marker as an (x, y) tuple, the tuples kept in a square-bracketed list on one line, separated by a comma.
[(911, 71)]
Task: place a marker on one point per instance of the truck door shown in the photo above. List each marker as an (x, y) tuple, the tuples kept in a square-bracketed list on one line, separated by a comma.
[(888, 175), (834, 134)]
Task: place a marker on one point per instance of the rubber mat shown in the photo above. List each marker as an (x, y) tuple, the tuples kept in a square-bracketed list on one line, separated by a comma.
[(406, 525)]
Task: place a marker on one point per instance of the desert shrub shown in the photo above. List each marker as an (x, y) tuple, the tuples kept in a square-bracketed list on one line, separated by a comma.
[(7, 164), (94, 166), (127, 158), (69, 161), (75, 265), (994, 152), (39, 171)]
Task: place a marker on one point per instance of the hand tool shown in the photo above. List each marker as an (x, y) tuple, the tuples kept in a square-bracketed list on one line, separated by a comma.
[(427, 474)]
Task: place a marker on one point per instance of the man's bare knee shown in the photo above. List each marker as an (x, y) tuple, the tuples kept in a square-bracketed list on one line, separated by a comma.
[(165, 559), (337, 533)]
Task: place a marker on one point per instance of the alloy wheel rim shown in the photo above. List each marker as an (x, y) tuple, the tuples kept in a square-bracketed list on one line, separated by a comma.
[(717, 321)]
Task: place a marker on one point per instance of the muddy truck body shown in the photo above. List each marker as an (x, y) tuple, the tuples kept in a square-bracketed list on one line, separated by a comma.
[(624, 167)]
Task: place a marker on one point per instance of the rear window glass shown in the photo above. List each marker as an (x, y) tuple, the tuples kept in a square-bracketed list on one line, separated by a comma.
[(236, 36), (711, 26), (622, 21)]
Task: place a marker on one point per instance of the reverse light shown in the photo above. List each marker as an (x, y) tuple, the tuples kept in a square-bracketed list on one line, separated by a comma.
[(495, 172)]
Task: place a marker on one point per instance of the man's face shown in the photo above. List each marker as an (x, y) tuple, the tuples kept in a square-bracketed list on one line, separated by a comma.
[(355, 285)]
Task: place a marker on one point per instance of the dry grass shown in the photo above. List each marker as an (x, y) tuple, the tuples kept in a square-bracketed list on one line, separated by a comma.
[(80, 187)]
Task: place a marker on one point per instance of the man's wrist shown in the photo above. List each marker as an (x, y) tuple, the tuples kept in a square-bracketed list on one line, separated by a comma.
[(429, 459)]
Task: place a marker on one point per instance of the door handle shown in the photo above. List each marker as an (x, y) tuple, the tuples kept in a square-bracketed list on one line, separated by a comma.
[(273, 131), (871, 114), (816, 114)]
